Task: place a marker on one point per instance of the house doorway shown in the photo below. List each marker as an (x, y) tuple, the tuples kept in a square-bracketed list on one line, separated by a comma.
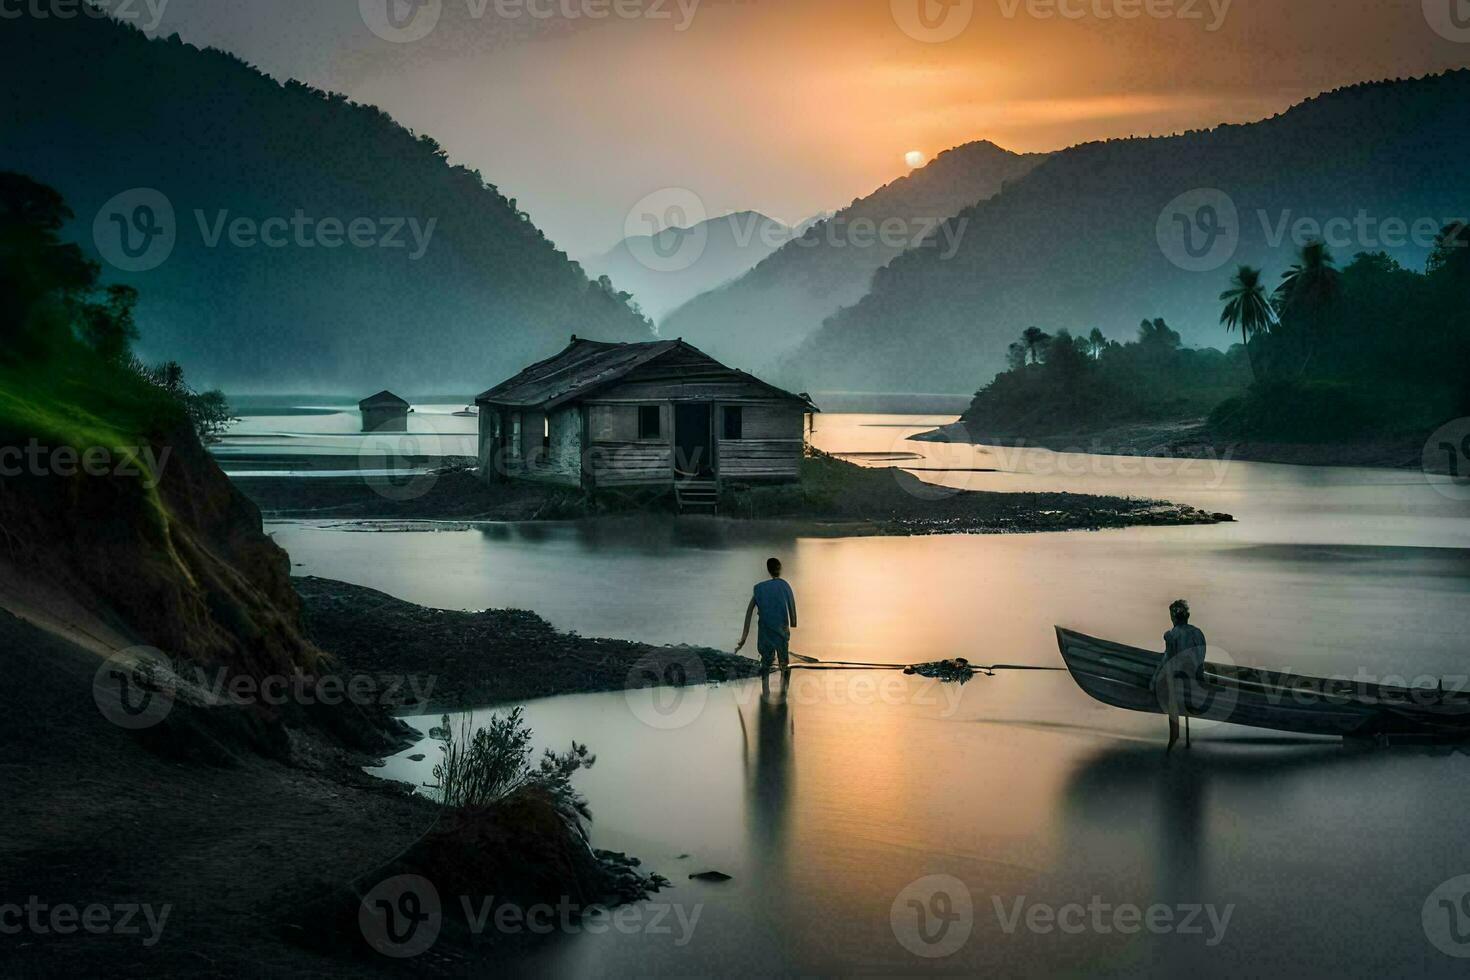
[(694, 457)]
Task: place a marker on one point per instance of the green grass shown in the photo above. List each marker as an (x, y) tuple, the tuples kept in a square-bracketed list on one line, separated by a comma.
[(79, 402)]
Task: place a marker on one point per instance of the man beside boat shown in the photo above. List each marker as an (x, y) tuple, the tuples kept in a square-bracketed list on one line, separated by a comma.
[(1182, 669)]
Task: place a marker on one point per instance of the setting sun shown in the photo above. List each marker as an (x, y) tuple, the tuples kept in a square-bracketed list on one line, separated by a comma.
[(914, 158)]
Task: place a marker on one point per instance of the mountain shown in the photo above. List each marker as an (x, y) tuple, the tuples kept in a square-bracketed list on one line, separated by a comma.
[(831, 264), (666, 270), (315, 243), (1094, 237)]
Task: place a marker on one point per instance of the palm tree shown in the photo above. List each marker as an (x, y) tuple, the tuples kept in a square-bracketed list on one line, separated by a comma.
[(1248, 309), (1308, 292), (1097, 343), (1314, 281), (1035, 339)]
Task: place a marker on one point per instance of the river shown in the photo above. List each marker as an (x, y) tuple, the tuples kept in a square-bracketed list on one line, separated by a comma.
[(1049, 820)]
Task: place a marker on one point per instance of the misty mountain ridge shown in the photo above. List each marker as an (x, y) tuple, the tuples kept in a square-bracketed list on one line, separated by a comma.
[(786, 297), (666, 269), (1105, 234), (281, 237)]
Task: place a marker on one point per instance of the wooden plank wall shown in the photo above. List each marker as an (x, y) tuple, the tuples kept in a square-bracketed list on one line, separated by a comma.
[(622, 464), (772, 445), (760, 459)]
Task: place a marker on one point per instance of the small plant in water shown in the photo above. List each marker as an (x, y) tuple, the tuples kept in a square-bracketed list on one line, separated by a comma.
[(485, 766)]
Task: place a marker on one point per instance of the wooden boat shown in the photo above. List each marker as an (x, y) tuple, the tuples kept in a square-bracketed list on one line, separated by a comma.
[(1122, 676)]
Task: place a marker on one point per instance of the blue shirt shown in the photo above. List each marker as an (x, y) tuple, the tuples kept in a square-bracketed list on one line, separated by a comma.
[(776, 604)]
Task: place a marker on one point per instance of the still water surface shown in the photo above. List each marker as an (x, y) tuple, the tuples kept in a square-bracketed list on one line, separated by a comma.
[(826, 805)]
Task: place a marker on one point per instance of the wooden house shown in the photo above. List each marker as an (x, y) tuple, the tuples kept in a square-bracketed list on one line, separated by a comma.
[(601, 415), (384, 412)]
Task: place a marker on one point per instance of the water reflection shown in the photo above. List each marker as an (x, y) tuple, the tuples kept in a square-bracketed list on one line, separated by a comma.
[(768, 769), (1154, 809)]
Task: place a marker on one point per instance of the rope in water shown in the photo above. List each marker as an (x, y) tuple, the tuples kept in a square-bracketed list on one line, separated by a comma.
[(958, 664)]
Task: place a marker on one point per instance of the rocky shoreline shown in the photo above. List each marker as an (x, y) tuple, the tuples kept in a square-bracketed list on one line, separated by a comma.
[(835, 499), (451, 660)]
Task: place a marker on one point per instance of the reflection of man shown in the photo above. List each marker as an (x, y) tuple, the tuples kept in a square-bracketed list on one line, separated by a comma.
[(777, 605), (1182, 667)]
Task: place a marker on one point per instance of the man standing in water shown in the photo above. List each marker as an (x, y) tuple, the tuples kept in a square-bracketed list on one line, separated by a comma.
[(1182, 668), (777, 605)]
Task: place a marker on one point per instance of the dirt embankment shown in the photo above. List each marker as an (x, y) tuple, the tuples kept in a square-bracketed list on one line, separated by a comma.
[(231, 825)]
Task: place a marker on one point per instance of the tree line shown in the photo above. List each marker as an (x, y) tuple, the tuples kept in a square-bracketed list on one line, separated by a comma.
[(1371, 348)]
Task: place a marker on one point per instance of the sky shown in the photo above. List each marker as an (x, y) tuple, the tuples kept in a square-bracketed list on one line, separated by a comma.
[(582, 109)]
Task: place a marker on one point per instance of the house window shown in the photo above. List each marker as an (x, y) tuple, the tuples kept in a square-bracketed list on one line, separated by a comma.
[(734, 422), (649, 423), (515, 435), (546, 432)]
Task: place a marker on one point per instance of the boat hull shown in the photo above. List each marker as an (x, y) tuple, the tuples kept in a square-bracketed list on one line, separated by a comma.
[(1122, 676)]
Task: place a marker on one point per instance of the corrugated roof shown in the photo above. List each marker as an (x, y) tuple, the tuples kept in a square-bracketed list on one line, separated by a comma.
[(584, 366)]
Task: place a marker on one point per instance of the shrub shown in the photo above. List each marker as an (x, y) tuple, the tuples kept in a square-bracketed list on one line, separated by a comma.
[(485, 767)]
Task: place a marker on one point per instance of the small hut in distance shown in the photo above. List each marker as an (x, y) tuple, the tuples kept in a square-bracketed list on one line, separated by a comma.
[(384, 412)]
